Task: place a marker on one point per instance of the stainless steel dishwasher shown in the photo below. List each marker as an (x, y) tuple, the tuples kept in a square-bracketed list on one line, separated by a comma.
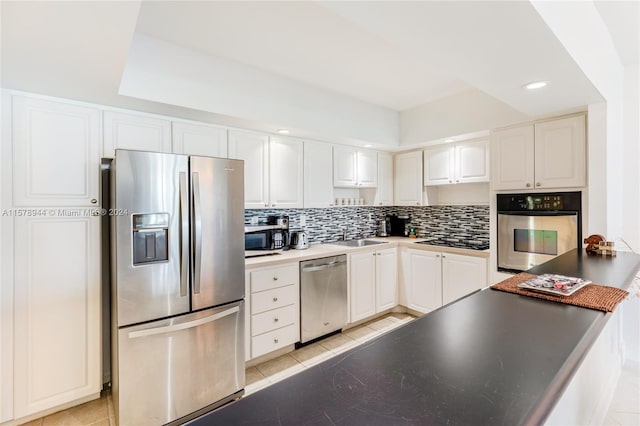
[(323, 296)]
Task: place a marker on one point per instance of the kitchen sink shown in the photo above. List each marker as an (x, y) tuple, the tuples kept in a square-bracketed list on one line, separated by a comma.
[(357, 243)]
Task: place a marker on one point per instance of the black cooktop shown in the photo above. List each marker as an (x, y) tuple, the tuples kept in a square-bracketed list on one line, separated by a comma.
[(463, 244)]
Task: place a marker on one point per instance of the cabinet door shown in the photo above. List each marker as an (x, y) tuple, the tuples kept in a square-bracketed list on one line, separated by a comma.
[(285, 172), (408, 179), (560, 153), (196, 139), (136, 132), (462, 275), (386, 279), (425, 281), (512, 158), (344, 166), (367, 168), (439, 165), (472, 161), (318, 184), (362, 282), (253, 148), (56, 153), (57, 311), (384, 192)]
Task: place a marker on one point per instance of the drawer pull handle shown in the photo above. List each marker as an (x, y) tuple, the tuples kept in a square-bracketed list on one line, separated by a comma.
[(275, 340), (275, 278), (275, 319), (275, 299)]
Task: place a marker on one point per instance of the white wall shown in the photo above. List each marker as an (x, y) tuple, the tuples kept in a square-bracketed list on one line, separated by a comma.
[(164, 72), (631, 211), (458, 114)]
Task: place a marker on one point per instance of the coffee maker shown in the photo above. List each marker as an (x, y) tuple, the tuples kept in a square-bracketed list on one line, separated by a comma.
[(398, 225), (384, 227), (281, 222)]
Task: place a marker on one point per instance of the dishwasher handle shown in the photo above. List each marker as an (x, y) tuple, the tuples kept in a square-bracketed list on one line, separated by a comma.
[(323, 266)]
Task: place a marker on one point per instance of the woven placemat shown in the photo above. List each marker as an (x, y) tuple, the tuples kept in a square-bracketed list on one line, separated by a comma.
[(592, 296)]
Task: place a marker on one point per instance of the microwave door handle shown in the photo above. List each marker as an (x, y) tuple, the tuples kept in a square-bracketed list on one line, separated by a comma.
[(184, 234), (197, 232)]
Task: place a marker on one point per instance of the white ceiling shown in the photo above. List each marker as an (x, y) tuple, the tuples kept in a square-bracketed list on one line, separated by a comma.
[(393, 54)]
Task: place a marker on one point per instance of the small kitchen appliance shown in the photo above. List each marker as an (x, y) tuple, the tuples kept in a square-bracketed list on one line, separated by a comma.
[(384, 227), (398, 225), (299, 240), (265, 239)]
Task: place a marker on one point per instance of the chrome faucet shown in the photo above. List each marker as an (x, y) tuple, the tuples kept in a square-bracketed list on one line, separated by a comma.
[(344, 234)]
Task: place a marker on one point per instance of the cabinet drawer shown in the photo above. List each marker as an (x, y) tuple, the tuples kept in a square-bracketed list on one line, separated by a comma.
[(271, 320), (273, 299), (266, 279), (276, 339)]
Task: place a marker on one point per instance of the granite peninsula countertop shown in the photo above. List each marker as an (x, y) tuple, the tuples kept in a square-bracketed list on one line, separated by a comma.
[(490, 358)]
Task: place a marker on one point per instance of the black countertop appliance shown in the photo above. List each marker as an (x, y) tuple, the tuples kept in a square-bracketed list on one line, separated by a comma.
[(398, 225)]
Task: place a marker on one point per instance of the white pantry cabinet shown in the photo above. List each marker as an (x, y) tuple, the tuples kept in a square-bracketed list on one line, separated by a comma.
[(354, 167), (549, 154), (384, 191), (272, 169), (199, 139), (57, 312), (372, 282), (56, 153), (318, 184), (408, 179), (463, 162), (136, 132), (273, 311)]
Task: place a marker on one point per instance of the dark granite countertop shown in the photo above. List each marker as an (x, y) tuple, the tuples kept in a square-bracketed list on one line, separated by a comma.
[(490, 358)]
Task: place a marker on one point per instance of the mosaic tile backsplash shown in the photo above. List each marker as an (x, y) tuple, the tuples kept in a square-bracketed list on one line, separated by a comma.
[(328, 224)]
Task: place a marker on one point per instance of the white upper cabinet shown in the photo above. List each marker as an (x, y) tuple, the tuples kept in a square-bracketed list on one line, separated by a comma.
[(272, 169), (560, 154), (56, 153), (253, 148), (199, 139), (408, 179), (464, 162), (285, 172), (439, 165), (354, 168), (136, 132), (384, 192), (318, 183), (367, 168), (550, 154)]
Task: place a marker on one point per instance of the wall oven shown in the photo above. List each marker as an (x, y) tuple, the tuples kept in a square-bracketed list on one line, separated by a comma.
[(534, 228)]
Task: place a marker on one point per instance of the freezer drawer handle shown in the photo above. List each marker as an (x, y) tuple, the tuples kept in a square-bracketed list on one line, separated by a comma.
[(177, 327), (323, 266)]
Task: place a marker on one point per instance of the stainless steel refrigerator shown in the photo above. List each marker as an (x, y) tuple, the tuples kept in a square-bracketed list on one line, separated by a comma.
[(177, 247)]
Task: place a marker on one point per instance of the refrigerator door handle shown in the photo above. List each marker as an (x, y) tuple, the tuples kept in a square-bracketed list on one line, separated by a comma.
[(177, 327), (197, 232), (184, 234)]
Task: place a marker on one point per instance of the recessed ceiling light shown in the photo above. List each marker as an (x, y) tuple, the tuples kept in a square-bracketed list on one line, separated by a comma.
[(367, 145), (449, 140), (283, 131), (535, 85)]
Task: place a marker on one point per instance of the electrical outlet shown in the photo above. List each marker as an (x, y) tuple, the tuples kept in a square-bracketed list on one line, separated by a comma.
[(254, 220), (303, 220)]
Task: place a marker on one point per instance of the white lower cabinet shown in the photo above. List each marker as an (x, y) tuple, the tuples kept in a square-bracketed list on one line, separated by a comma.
[(433, 279), (372, 283), (57, 312), (462, 275), (274, 309)]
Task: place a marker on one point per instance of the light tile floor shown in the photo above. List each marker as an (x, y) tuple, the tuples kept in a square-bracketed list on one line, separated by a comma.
[(624, 409)]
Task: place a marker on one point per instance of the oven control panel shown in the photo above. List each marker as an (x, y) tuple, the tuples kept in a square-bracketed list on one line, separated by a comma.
[(562, 201)]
